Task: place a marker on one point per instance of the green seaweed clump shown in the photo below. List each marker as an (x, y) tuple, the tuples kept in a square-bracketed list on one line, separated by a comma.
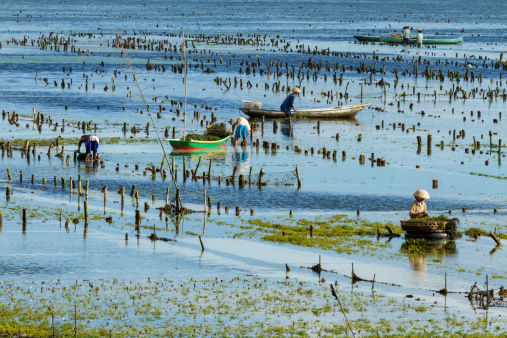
[(200, 137), (441, 218)]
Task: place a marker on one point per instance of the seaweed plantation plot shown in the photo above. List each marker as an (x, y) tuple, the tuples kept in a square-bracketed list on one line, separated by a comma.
[(215, 307), (110, 228)]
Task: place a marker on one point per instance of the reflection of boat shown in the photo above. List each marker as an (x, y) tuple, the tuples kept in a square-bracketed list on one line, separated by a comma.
[(195, 145), (216, 152), (419, 250), (348, 111), (429, 229), (433, 247), (445, 41)]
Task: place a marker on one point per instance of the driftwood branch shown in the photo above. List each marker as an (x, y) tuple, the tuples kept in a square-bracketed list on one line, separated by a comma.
[(389, 234), (154, 237), (497, 241)]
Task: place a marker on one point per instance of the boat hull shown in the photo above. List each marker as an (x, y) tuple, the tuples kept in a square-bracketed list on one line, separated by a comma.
[(197, 145), (451, 41), (349, 111)]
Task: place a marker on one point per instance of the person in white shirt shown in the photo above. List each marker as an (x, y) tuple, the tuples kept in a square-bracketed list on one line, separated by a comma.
[(91, 144), (419, 37), (242, 127)]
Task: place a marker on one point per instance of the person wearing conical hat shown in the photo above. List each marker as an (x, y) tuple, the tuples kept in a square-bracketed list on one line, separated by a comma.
[(419, 37), (288, 103), (418, 208), (406, 35)]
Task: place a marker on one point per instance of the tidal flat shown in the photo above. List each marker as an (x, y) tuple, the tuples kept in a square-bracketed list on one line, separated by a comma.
[(252, 259)]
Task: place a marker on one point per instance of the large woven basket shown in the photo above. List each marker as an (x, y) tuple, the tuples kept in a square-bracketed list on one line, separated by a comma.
[(253, 105), (217, 130), (428, 226)]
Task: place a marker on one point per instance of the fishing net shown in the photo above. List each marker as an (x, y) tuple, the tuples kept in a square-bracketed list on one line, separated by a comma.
[(274, 179), (286, 178)]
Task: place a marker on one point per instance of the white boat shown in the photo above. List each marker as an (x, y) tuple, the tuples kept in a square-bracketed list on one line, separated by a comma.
[(349, 111)]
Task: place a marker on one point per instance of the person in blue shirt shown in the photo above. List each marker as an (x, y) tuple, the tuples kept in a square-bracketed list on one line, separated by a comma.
[(288, 103)]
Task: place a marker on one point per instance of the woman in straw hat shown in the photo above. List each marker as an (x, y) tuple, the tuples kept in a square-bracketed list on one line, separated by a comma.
[(288, 103), (406, 34), (418, 208)]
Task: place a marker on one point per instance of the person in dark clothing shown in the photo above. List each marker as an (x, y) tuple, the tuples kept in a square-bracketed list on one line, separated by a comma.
[(288, 103)]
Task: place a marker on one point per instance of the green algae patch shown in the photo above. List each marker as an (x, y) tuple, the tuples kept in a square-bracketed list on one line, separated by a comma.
[(337, 233)]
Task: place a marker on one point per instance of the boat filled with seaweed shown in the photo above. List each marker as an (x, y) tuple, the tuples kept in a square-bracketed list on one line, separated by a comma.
[(439, 227), (216, 135)]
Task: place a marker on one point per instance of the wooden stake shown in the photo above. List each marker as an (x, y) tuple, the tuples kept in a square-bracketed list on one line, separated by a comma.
[(299, 179), (86, 213)]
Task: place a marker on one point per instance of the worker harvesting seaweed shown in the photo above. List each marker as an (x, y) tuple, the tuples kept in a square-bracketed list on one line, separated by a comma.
[(406, 35), (91, 144), (242, 127), (288, 103), (419, 37), (418, 208)]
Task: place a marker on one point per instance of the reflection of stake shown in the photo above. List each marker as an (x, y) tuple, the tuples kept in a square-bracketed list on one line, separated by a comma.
[(336, 296), (202, 245)]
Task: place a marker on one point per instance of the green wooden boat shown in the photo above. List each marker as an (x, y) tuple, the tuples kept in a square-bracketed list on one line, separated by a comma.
[(445, 41), (195, 145)]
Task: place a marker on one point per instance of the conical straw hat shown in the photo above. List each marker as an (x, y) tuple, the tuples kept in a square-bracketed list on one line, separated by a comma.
[(421, 193)]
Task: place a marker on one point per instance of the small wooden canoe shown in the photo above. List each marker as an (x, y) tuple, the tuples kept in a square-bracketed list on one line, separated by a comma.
[(195, 145), (348, 111), (445, 41)]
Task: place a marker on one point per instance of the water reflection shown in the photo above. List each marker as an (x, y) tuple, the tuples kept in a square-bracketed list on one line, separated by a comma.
[(418, 250), (241, 159), (215, 153), (286, 128), (91, 167)]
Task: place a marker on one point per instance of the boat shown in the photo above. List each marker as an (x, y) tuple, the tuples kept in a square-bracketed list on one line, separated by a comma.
[(196, 145), (503, 62), (348, 111), (444, 41), (429, 229)]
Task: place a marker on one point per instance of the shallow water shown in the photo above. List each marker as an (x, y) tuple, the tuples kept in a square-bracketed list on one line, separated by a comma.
[(328, 187)]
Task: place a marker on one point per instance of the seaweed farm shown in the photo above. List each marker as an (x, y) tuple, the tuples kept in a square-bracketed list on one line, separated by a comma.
[(296, 231)]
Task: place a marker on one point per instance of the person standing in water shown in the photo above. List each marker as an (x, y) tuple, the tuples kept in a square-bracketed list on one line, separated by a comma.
[(419, 37), (91, 144), (406, 35), (288, 103), (242, 127)]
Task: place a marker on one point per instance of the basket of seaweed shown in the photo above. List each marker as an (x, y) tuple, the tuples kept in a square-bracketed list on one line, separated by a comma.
[(429, 224), (218, 130)]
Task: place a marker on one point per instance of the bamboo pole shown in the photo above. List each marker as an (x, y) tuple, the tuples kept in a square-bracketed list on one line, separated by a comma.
[(185, 106)]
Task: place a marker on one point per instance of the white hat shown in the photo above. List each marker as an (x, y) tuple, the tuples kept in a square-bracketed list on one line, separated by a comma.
[(421, 193)]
